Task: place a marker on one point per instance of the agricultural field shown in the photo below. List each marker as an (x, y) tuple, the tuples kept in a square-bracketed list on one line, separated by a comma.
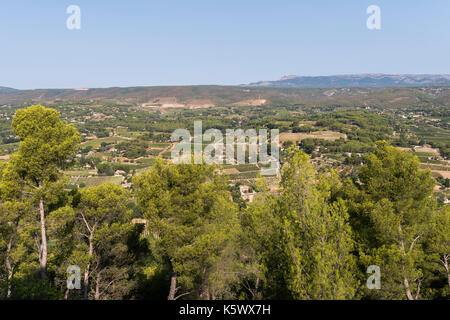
[(96, 143), (95, 180), (325, 135), (125, 137)]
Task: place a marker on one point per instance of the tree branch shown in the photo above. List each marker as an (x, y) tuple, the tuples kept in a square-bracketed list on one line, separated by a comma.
[(184, 294), (85, 222), (414, 242), (418, 289)]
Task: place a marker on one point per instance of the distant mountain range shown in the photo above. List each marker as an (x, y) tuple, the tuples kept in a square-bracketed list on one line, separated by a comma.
[(359, 80), (7, 90), (204, 96), (362, 89)]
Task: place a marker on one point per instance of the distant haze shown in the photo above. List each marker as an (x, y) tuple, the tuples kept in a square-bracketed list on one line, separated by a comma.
[(6, 90), (359, 80), (370, 80)]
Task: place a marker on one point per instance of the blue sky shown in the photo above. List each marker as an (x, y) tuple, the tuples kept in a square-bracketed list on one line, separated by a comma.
[(171, 42)]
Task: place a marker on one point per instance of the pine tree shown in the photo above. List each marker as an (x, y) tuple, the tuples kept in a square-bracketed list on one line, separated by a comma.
[(316, 232), (45, 143), (192, 220), (394, 209)]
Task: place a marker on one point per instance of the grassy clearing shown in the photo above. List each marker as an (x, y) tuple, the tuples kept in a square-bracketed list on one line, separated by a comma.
[(97, 142), (130, 134), (97, 180), (426, 160), (244, 175), (231, 171), (154, 152), (426, 151), (299, 136), (246, 167), (146, 161), (159, 145), (82, 173)]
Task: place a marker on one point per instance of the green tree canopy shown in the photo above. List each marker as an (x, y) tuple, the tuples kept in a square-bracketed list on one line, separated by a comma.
[(192, 219)]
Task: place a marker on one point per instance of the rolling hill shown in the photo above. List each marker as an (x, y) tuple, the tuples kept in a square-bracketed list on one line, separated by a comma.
[(358, 80), (211, 96), (7, 90)]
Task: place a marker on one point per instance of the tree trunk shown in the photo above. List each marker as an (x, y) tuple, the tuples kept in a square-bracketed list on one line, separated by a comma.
[(97, 288), (86, 283), (9, 267), (448, 279), (43, 248), (205, 294), (173, 286), (86, 272), (8, 294), (405, 279), (254, 295), (408, 290), (448, 271)]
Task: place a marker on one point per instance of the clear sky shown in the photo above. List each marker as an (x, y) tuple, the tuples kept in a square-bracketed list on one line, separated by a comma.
[(188, 42)]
